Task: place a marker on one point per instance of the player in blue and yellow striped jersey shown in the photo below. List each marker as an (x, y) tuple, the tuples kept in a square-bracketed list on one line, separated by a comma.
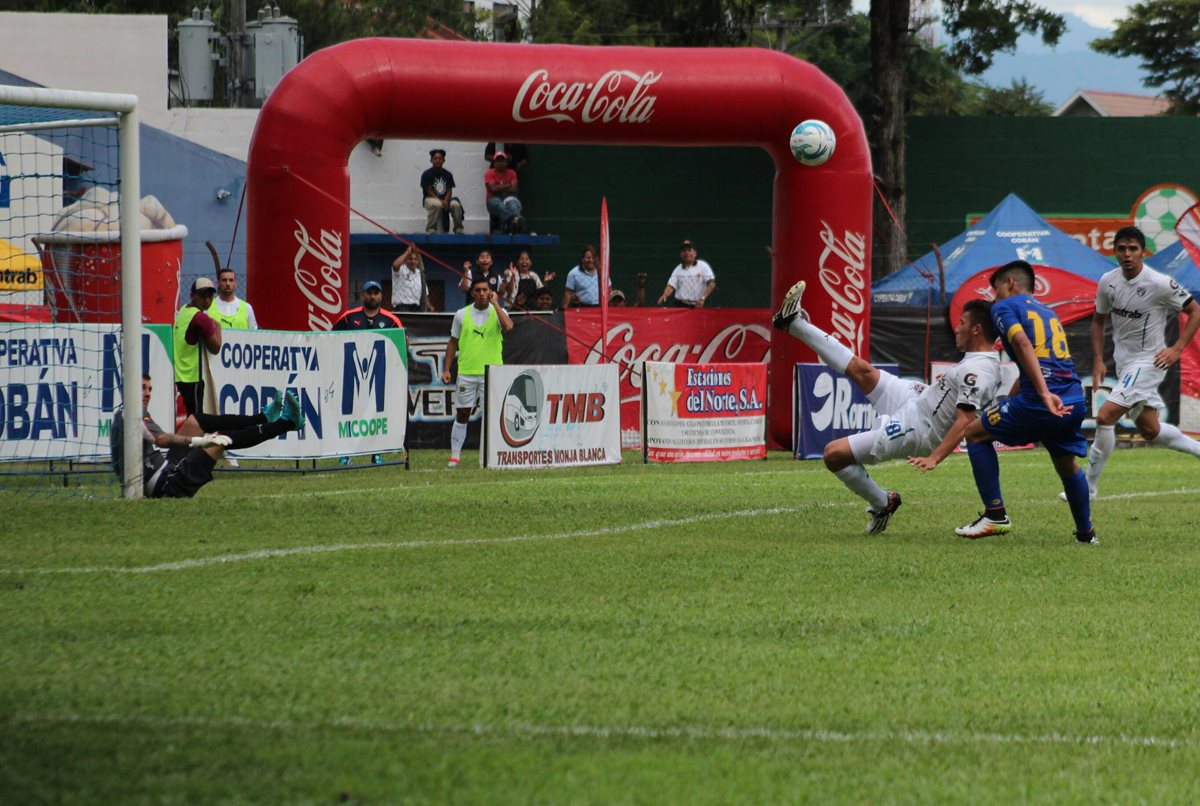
[(1047, 407)]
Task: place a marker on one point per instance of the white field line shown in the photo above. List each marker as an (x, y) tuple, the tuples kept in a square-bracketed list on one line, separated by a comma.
[(262, 554), (671, 732)]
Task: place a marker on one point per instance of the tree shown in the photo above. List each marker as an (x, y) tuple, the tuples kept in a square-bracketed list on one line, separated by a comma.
[(1165, 35), (978, 29)]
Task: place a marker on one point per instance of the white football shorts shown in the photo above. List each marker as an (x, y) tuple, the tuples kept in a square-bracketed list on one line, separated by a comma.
[(468, 392), (1137, 389), (898, 436)]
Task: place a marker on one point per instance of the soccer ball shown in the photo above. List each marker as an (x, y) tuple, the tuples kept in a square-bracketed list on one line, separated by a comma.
[(1157, 213), (812, 142)]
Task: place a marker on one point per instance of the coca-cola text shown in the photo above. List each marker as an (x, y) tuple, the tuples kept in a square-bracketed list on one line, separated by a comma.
[(619, 95)]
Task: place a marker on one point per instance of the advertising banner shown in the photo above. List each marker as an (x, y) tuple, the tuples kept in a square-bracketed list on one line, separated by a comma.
[(536, 338), (352, 387), (828, 406), (61, 384), (551, 416), (704, 412), (636, 335)]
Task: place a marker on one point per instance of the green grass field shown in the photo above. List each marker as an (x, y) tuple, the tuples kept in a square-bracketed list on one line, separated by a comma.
[(654, 634)]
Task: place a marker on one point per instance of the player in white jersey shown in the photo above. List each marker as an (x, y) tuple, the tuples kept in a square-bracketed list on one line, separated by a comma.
[(922, 424), (1138, 300)]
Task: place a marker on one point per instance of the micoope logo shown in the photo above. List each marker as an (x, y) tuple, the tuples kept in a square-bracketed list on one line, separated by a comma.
[(522, 411), (367, 374)]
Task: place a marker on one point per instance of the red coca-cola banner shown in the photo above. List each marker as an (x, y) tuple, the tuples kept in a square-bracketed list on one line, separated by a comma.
[(298, 185), (714, 335)]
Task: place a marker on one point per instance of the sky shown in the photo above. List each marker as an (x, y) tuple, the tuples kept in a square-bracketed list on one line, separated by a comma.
[(1100, 14)]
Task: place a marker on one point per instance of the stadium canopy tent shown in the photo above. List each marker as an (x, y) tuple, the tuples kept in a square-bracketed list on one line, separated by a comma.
[(1176, 262), (911, 319)]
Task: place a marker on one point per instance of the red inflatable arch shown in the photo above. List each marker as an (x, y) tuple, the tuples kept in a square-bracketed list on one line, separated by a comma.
[(298, 236)]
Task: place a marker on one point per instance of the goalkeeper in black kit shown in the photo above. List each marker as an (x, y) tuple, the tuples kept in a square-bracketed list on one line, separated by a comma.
[(178, 465)]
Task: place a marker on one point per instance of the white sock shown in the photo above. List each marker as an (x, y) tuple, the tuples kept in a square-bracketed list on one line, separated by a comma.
[(1171, 437), (858, 482), (1102, 448), (836, 355), (458, 435)]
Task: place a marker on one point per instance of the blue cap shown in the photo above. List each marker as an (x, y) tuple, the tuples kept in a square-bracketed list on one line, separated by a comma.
[(371, 284)]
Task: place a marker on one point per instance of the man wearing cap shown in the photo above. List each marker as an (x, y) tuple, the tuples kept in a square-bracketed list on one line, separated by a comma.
[(369, 315), (437, 190), (501, 183), (692, 281), (194, 332)]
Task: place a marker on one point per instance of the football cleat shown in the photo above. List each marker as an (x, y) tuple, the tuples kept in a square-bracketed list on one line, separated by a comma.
[(1091, 494), (1088, 537), (292, 411), (377, 459), (344, 460), (452, 462), (274, 409), (879, 519), (983, 526), (789, 309)]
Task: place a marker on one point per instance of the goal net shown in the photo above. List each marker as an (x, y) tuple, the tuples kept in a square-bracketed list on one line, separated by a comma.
[(70, 291)]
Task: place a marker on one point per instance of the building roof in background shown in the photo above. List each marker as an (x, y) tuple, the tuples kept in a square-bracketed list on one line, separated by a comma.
[(1098, 104)]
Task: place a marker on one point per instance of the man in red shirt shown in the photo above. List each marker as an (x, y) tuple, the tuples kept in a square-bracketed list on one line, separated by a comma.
[(502, 202)]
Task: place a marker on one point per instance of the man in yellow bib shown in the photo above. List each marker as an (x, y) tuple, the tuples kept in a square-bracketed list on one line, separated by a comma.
[(477, 338), (194, 332), (227, 309)]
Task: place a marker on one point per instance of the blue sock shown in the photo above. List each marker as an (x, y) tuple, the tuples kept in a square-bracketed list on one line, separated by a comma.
[(1076, 488), (985, 466)]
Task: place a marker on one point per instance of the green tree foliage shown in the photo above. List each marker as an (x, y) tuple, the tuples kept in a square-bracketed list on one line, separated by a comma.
[(1165, 35)]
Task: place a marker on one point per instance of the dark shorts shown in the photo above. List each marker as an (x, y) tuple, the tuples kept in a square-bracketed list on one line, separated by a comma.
[(186, 472), (1020, 420), (192, 393)]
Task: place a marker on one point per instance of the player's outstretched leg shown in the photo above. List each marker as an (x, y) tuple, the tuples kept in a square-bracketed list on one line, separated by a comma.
[(1171, 437), (792, 318)]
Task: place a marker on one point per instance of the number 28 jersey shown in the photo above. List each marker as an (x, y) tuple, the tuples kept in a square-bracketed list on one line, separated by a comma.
[(1045, 332)]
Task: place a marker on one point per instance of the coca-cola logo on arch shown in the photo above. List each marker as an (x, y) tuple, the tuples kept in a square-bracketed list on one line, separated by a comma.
[(622, 96), (842, 271), (316, 270)]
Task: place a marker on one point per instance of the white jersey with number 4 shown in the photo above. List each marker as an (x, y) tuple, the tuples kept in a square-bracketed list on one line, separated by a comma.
[(1138, 310)]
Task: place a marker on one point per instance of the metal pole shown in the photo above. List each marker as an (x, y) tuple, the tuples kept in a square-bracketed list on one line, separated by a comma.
[(131, 301)]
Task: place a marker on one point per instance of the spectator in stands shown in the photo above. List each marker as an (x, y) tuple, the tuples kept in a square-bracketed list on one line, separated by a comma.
[(617, 298), (639, 298), (518, 154), (368, 316), (437, 190), (410, 290), (484, 268), (526, 293), (194, 332), (583, 281), (692, 281), (192, 451), (477, 340), (501, 183), (523, 270), (544, 300)]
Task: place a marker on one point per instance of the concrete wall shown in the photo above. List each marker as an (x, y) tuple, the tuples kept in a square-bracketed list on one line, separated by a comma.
[(93, 52)]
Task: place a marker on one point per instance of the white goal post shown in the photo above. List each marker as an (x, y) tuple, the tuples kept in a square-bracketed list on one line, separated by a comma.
[(124, 107)]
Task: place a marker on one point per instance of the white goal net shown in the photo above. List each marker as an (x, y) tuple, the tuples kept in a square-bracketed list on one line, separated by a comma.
[(70, 290)]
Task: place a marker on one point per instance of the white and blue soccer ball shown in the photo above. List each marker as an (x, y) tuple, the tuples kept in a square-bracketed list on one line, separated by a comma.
[(812, 142)]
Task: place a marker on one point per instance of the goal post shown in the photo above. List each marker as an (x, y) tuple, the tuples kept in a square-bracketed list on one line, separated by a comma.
[(34, 110)]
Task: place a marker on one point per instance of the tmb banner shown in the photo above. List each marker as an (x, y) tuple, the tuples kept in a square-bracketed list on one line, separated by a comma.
[(704, 412), (352, 387), (635, 335), (551, 416), (827, 405)]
